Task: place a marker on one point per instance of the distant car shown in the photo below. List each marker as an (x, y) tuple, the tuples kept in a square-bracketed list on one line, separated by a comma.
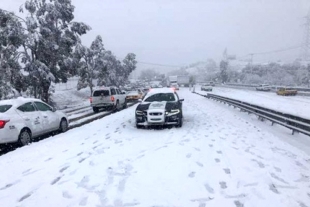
[(108, 98), (286, 92), (175, 86), (23, 119), (160, 106), (134, 96), (206, 87), (263, 87)]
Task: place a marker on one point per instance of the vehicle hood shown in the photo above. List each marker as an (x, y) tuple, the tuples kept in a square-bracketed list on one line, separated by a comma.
[(168, 106)]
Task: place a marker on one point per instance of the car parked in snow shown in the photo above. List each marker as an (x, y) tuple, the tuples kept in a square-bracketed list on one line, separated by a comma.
[(22, 119), (206, 87), (108, 98), (133, 96), (160, 106), (263, 87)]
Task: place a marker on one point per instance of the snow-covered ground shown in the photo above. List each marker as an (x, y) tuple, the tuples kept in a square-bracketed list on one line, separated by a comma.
[(295, 105), (220, 157)]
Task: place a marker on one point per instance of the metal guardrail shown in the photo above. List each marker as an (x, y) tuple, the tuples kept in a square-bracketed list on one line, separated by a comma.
[(295, 123)]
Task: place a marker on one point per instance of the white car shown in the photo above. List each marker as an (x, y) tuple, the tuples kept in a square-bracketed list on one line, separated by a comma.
[(108, 98), (22, 119), (161, 106), (206, 87), (263, 87)]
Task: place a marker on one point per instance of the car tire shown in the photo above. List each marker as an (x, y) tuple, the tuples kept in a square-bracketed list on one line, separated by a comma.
[(116, 106), (138, 126), (63, 126), (95, 109), (24, 137), (180, 122), (125, 105)]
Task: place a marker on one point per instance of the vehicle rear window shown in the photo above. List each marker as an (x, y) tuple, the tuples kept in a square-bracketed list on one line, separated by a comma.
[(4, 108), (101, 93), (161, 97)]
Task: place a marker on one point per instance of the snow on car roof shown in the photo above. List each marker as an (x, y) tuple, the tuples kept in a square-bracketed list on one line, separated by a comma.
[(17, 101), (153, 91), (161, 90)]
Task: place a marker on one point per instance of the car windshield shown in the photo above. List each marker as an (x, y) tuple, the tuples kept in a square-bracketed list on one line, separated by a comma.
[(4, 108), (101, 93), (160, 97)]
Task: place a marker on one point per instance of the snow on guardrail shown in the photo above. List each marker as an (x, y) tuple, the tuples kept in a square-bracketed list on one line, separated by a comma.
[(295, 123)]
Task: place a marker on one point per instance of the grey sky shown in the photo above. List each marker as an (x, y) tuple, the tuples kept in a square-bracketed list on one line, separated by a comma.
[(181, 32)]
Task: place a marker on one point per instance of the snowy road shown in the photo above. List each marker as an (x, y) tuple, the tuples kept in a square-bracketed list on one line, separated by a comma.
[(296, 105), (218, 158)]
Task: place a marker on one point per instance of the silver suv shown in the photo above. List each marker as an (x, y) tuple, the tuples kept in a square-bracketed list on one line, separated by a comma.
[(108, 98)]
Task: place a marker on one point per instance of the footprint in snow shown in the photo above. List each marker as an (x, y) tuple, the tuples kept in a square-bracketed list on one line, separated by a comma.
[(79, 154), (66, 194), (219, 152), (197, 149), (48, 159), (199, 164), (209, 188), (227, 170), (63, 169), (83, 159), (210, 145), (217, 160), (191, 175), (223, 185), (188, 155), (25, 197), (260, 164), (55, 180), (238, 204), (273, 188), (83, 202)]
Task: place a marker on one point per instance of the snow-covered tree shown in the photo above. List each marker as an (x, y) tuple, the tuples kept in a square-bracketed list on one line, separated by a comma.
[(11, 38), (223, 71), (91, 62), (52, 35)]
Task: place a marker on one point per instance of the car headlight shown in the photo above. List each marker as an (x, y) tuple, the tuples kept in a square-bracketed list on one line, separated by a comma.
[(173, 112), (139, 112)]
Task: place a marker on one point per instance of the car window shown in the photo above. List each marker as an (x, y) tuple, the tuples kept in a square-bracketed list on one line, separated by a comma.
[(43, 107), (118, 91), (4, 108), (113, 91), (27, 107), (101, 93), (161, 97)]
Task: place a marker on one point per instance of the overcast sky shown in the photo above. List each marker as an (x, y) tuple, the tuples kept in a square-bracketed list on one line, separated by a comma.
[(179, 32)]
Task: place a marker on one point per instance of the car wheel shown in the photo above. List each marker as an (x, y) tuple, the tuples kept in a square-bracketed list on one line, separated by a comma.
[(116, 106), (180, 122), (125, 105), (63, 126), (95, 109), (138, 126), (24, 137)]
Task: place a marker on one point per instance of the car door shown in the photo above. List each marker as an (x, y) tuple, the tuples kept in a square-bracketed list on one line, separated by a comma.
[(31, 117), (50, 119), (121, 96)]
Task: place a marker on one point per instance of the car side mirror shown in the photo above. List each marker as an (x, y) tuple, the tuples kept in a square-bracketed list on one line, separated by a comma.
[(181, 99), (123, 93), (54, 109)]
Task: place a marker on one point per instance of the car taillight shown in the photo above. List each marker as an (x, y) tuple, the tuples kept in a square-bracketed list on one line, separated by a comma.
[(91, 99), (112, 98), (2, 123)]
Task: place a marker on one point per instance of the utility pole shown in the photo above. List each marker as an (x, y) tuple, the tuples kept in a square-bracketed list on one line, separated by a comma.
[(305, 50)]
